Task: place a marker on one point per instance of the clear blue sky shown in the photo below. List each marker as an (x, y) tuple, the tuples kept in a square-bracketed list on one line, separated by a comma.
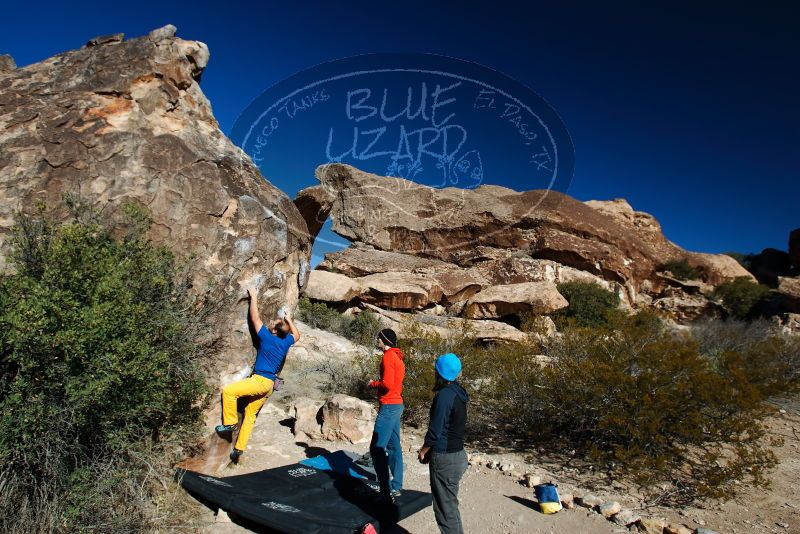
[(690, 112)]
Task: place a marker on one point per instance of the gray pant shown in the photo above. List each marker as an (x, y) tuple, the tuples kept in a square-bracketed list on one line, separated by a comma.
[(446, 470)]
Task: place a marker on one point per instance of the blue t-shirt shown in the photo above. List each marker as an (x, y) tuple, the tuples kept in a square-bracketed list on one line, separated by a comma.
[(271, 352)]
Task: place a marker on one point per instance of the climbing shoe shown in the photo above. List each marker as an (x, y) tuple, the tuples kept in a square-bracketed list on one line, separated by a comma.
[(225, 429), (235, 454)]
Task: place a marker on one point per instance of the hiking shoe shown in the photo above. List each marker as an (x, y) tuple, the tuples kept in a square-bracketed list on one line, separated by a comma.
[(396, 494), (385, 500), (235, 454), (224, 429)]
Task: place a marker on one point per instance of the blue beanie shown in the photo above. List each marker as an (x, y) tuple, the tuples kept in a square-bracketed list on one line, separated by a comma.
[(448, 366)]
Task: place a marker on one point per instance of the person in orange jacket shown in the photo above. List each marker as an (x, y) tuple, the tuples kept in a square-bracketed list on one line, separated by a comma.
[(385, 448)]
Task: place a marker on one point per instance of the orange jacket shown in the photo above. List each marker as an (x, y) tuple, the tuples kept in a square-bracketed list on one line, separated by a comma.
[(393, 370)]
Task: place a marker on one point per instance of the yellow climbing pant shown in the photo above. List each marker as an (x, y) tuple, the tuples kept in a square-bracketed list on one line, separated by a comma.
[(256, 390)]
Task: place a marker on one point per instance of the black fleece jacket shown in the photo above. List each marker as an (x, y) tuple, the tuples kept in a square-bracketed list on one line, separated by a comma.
[(448, 419)]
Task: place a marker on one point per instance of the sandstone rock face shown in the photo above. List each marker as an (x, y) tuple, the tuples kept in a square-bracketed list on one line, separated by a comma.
[(349, 419), (536, 298), (794, 248), (399, 290), (7, 63), (434, 282), (455, 225), (314, 204), (361, 260), (125, 120), (331, 287)]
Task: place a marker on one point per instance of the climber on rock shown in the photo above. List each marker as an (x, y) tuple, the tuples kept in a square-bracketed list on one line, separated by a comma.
[(273, 343)]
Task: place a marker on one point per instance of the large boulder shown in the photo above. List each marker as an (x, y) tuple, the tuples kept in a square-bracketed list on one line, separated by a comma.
[(331, 287), (794, 248), (126, 121), (400, 290), (346, 418), (465, 226), (534, 298)]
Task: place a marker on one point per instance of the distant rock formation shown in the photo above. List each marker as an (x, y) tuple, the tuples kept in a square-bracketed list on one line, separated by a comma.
[(125, 120), (417, 247)]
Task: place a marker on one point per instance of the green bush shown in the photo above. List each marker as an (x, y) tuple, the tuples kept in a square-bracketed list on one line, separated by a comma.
[(359, 328), (100, 379), (681, 269), (649, 404), (740, 296), (318, 315), (589, 304), (362, 328)]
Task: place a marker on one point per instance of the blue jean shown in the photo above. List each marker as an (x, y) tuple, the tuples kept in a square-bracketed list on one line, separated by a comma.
[(385, 448)]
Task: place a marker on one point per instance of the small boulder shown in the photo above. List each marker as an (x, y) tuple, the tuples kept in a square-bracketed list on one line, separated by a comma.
[(529, 480), (506, 466), (651, 525), (347, 418), (589, 501), (164, 32), (677, 529), (625, 518), (567, 501), (703, 530), (608, 509), (307, 418)]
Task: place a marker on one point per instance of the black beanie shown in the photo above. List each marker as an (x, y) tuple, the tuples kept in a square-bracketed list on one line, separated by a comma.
[(388, 336)]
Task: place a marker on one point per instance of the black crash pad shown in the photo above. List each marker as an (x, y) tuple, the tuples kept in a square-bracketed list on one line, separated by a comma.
[(299, 499)]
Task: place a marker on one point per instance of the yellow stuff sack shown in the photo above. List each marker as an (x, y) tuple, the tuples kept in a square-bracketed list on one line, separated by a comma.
[(547, 495)]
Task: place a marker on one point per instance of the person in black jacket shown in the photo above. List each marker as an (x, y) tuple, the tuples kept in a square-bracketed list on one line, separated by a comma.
[(444, 443)]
